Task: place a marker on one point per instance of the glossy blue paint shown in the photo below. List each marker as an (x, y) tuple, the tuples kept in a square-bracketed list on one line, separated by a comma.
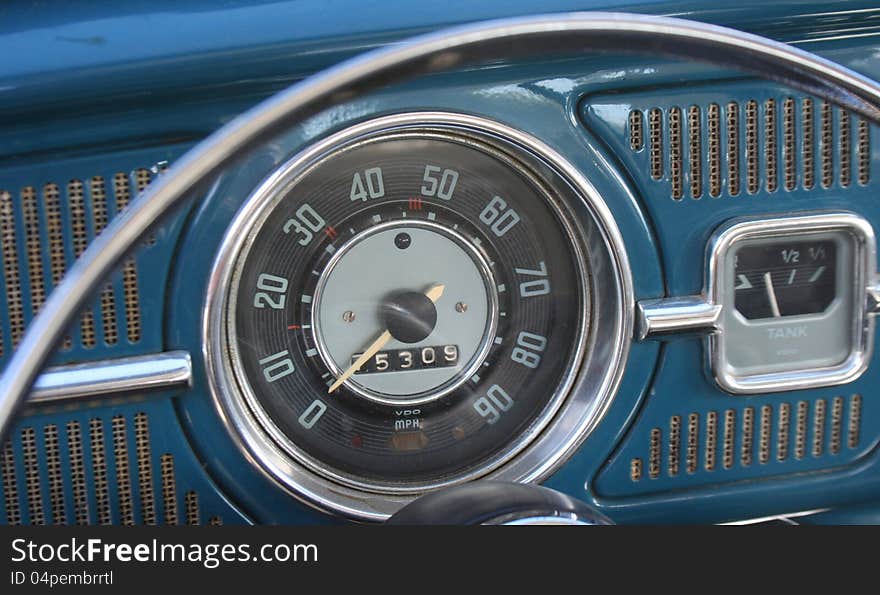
[(76, 56), (105, 86), (106, 37)]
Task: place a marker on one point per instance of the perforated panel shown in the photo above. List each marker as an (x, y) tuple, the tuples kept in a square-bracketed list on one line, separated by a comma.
[(48, 216), (104, 468), (777, 143), (685, 436), (106, 464), (773, 440)]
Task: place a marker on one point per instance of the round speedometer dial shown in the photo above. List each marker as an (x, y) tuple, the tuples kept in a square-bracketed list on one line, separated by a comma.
[(406, 308)]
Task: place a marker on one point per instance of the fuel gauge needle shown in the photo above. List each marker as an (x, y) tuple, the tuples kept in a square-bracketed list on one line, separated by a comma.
[(771, 295), (432, 294)]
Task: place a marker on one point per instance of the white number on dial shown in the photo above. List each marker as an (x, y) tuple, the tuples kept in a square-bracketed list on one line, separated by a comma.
[(443, 186), (536, 286), (270, 284), (306, 222), (498, 217), (496, 402), (528, 349), (368, 184)]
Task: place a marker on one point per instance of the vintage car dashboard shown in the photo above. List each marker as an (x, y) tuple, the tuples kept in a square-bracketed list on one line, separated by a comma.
[(646, 283)]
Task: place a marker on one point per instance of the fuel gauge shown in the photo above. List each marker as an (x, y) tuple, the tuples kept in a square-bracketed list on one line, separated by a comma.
[(788, 302), (788, 278), (792, 296)]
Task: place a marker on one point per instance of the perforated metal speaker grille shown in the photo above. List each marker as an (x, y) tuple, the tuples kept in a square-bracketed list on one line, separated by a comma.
[(674, 444), (123, 475), (32, 476), (169, 489), (145, 468), (191, 507), (714, 133), (99, 471), (121, 187), (636, 130), (79, 486), (695, 140), (11, 263), (58, 220), (733, 149), (676, 174), (711, 449), (655, 128), (789, 143), (108, 295), (764, 436), (776, 142), (10, 485), (85, 475)]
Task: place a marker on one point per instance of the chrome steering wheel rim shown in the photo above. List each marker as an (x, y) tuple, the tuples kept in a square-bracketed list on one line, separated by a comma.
[(431, 53)]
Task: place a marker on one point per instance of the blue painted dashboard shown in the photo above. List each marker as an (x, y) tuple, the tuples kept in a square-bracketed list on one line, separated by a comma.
[(96, 99)]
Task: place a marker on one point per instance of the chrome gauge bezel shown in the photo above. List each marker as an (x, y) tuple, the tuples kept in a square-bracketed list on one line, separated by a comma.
[(577, 405), (784, 227)]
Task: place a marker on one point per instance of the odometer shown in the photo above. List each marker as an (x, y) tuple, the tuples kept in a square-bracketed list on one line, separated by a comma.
[(407, 307)]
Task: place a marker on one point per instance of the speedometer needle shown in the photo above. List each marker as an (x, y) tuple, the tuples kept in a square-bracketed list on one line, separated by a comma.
[(432, 294), (771, 295)]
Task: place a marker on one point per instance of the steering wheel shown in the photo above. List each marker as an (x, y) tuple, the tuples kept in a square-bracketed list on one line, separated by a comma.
[(445, 50)]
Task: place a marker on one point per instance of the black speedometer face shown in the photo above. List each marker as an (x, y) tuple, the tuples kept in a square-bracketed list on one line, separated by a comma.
[(407, 308)]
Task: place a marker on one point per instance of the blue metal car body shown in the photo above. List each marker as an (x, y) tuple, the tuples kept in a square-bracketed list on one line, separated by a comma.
[(98, 88)]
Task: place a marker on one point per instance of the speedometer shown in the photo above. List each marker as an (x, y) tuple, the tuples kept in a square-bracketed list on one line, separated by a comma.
[(406, 306)]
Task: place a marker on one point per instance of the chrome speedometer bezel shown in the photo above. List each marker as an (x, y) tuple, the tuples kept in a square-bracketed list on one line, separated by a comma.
[(577, 405)]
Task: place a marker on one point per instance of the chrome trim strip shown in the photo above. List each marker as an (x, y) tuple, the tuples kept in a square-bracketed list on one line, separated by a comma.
[(434, 52), (663, 317), (777, 517), (156, 371), (570, 520)]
